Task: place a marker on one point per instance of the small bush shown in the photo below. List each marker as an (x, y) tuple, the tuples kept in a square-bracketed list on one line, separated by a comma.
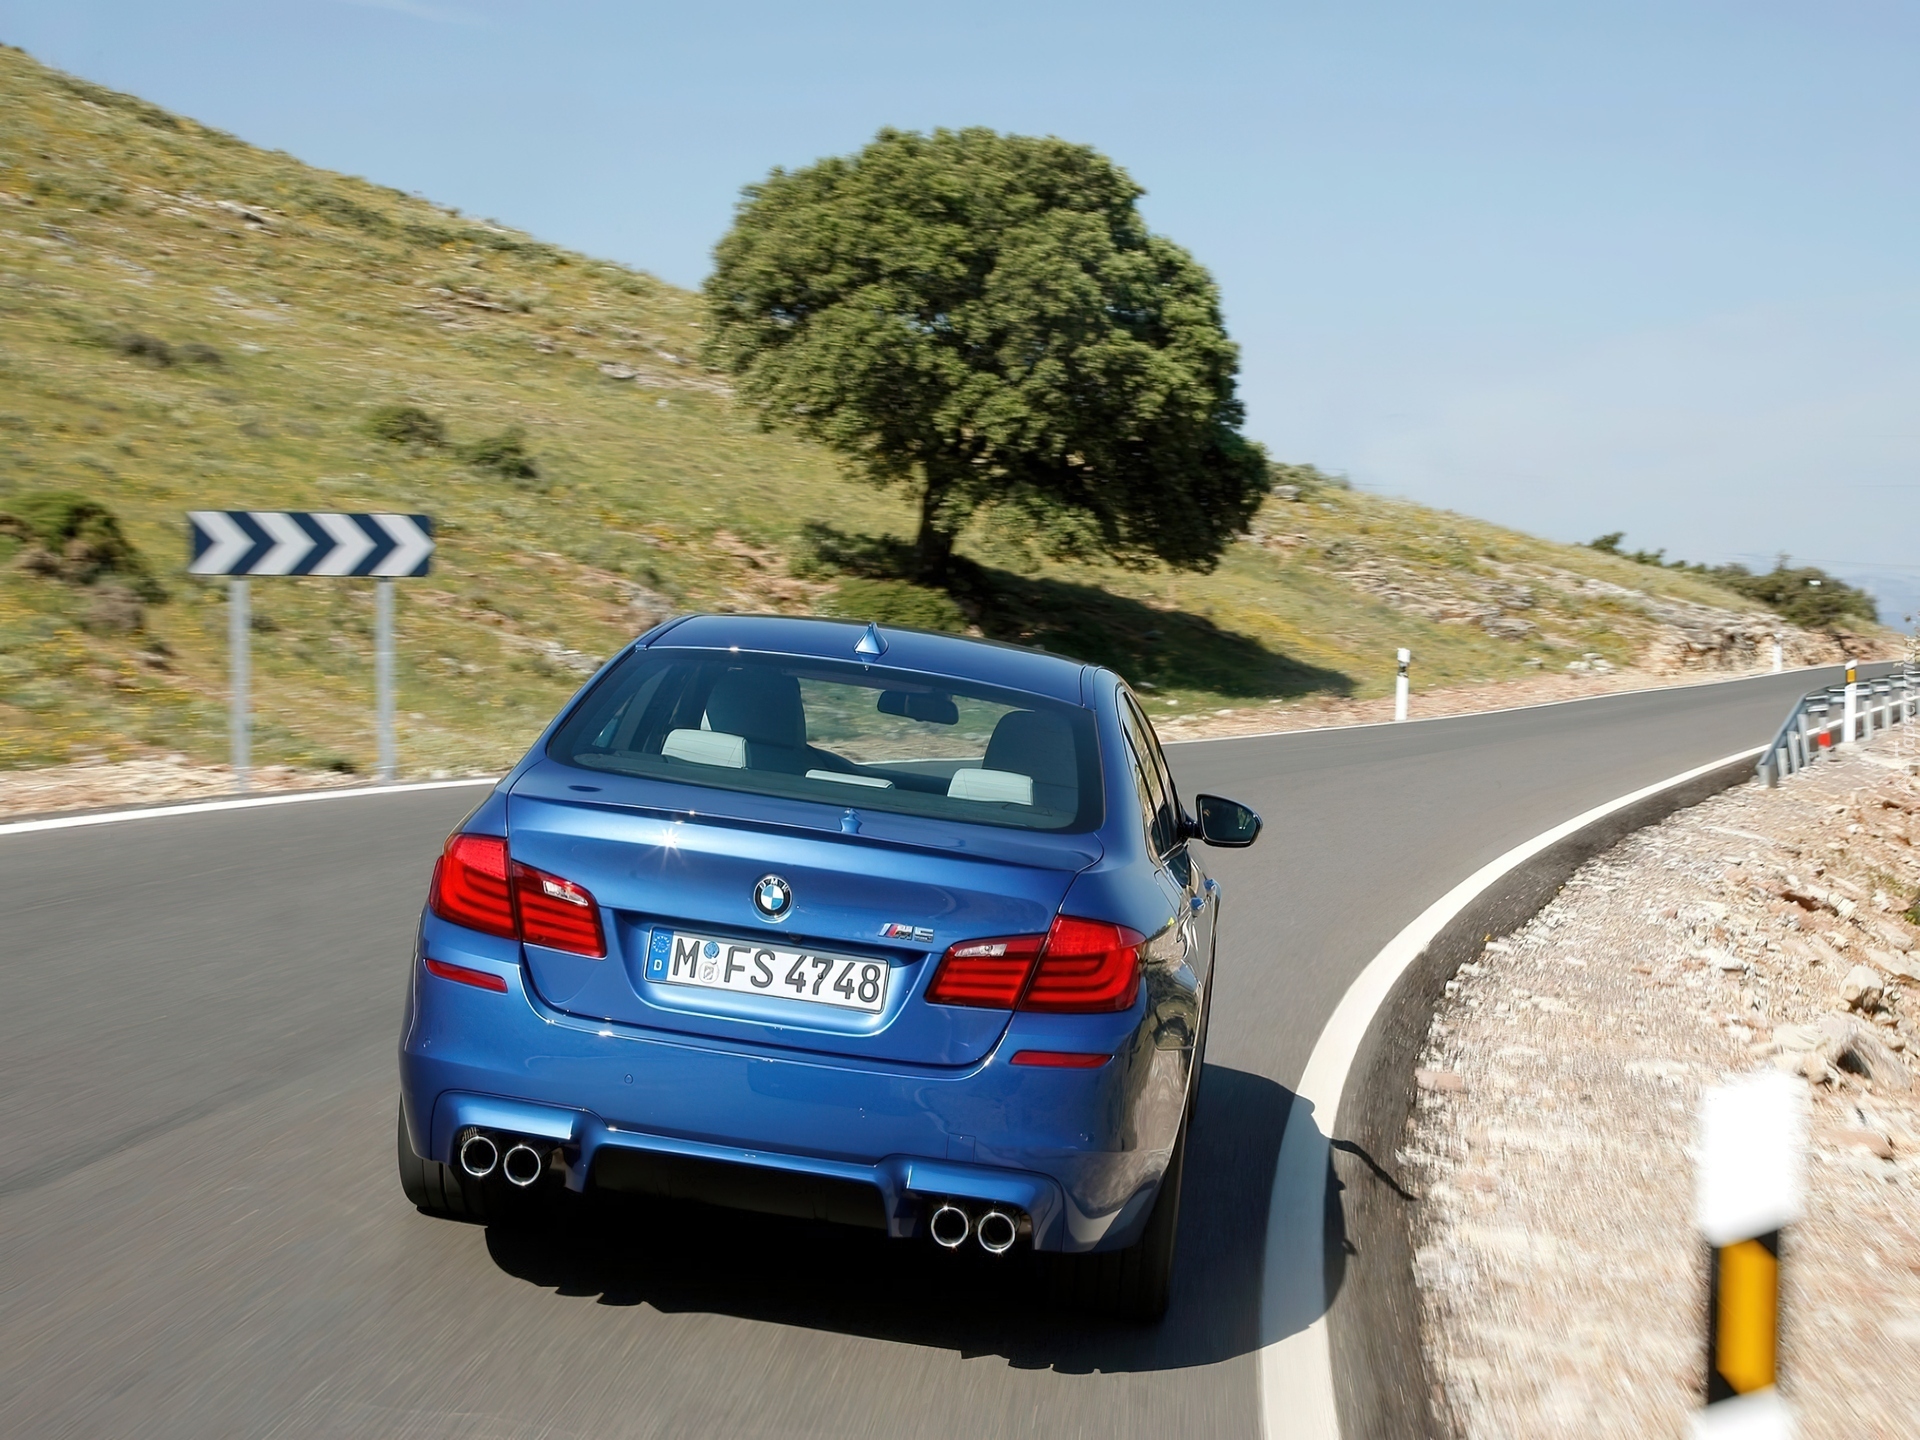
[(149, 348), (407, 425), (1307, 479), (196, 353), (79, 540), (505, 454), (115, 610)]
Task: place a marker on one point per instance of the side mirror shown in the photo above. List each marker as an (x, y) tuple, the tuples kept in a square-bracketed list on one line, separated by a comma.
[(1226, 823)]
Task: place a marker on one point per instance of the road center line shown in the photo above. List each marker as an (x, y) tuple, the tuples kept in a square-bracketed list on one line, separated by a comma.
[(1296, 1362)]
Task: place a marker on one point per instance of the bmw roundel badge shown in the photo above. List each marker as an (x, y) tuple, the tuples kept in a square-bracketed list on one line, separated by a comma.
[(772, 897)]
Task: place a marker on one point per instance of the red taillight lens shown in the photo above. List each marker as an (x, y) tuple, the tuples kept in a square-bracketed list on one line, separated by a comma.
[(1060, 1059), (557, 913), (989, 973), (475, 884), (470, 885), (1087, 966)]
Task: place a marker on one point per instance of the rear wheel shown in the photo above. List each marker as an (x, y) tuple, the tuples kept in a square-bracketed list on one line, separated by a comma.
[(438, 1189), (1134, 1283)]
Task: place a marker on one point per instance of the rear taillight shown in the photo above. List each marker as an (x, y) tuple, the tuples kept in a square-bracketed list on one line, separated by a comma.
[(1088, 965), (1085, 966), (989, 973), (557, 913), (470, 886), (476, 884)]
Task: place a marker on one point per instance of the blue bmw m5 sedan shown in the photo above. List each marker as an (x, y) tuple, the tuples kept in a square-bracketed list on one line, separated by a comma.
[(819, 919)]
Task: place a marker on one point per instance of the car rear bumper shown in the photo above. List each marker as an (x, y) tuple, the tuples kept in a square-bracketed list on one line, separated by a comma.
[(1080, 1152)]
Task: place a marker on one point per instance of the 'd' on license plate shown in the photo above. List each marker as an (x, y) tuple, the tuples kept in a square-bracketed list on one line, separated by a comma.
[(678, 957)]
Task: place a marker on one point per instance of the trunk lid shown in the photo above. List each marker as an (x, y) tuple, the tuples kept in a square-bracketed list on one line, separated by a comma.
[(664, 859)]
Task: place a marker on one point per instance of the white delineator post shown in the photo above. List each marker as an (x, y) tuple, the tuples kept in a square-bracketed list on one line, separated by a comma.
[(1400, 686), (1852, 711), (239, 669), (1753, 1143), (383, 675), (1777, 656)]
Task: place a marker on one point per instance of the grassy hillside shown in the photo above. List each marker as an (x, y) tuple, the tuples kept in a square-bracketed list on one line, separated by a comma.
[(192, 322)]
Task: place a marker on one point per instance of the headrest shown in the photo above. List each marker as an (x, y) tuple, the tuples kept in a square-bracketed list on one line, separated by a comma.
[(762, 705), (1035, 743)]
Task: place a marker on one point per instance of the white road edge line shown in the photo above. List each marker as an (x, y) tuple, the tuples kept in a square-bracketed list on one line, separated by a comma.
[(250, 802), (1296, 1365)]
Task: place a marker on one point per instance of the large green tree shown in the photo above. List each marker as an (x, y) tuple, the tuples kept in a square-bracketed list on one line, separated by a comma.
[(986, 320)]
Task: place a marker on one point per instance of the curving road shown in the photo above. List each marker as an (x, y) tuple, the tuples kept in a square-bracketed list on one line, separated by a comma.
[(201, 1233)]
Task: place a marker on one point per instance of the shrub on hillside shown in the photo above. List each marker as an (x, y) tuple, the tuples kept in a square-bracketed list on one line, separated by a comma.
[(1304, 479), (1806, 596), (407, 425), (505, 454), (150, 348), (1803, 595), (78, 540)]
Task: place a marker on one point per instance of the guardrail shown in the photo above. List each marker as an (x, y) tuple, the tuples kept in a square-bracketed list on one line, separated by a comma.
[(1858, 710)]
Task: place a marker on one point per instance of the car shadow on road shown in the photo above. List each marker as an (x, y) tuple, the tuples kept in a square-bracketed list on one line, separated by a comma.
[(685, 1258)]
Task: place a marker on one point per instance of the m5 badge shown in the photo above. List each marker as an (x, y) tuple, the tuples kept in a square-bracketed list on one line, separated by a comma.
[(907, 932)]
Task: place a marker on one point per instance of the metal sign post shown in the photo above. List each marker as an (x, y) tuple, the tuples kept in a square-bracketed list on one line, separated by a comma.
[(383, 675), (308, 543), (239, 667)]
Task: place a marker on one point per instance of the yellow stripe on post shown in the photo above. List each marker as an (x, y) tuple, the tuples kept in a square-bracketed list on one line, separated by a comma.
[(1749, 1316)]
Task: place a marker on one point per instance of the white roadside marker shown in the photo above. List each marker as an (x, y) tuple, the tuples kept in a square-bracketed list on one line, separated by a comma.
[(1753, 1146)]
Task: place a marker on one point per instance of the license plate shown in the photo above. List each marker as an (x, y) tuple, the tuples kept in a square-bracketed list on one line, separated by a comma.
[(679, 957)]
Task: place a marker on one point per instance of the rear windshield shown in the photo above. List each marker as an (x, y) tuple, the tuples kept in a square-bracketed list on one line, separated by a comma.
[(846, 735)]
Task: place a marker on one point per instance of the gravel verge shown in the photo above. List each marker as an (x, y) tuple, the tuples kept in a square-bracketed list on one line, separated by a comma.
[(104, 785), (1562, 1284)]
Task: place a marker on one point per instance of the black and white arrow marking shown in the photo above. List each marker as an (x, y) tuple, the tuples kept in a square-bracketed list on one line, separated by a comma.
[(306, 542)]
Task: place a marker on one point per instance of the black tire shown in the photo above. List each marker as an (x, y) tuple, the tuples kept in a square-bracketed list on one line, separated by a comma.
[(1131, 1284), (437, 1189)]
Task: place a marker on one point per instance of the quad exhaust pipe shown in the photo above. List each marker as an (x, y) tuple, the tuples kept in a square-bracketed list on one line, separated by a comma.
[(996, 1232), (523, 1165), (952, 1224), (479, 1155)]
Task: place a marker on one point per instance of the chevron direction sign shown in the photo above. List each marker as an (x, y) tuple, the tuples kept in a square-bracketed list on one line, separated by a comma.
[(309, 542)]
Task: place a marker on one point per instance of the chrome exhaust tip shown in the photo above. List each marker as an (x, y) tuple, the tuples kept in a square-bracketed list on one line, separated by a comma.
[(949, 1227), (478, 1156), (997, 1231), (523, 1165)]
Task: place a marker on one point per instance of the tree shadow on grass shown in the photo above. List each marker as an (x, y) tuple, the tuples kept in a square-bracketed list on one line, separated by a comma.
[(1166, 649)]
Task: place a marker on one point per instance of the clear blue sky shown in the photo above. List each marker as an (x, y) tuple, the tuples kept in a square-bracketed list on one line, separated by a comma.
[(1641, 266)]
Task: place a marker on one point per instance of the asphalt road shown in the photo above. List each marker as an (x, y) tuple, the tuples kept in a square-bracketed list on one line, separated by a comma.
[(201, 1233)]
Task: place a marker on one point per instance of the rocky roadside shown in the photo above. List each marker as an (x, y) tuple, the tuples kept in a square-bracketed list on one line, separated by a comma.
[(1562, 1283), (119, 784)]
